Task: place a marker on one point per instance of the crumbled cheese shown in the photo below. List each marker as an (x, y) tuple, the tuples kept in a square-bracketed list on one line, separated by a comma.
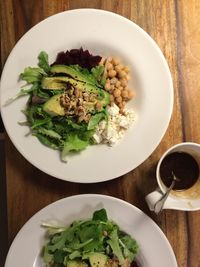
[(112, 131)]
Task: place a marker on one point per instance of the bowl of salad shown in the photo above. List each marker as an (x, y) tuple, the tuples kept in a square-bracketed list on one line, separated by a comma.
[(89, 231), (83, 105)]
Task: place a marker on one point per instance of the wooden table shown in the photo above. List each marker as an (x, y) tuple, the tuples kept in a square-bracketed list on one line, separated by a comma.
[(175, 26)]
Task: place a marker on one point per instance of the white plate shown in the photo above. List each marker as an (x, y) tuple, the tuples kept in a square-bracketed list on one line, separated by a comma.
[(155, 250), (103, 33)]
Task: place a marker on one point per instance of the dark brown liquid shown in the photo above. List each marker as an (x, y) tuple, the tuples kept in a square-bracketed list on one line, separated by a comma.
[(183, 166), (134, 264)]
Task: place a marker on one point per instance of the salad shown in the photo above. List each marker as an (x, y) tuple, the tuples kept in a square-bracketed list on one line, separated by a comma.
[(96, 242), (77, 101)]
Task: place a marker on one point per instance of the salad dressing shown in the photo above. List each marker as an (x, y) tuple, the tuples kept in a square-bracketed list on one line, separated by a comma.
[(183, 166)]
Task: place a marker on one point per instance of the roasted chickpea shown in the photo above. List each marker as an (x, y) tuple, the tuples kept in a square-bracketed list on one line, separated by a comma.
[(112, 73), (98, 106), (118, 99), (118, 84), (116, 93), (125, 93), (113, 80), (124, 82), (126, 69), (107, 86), (109, 66), (118, 67), (111, 98), (115, 61), (131, 93), (121, 74)]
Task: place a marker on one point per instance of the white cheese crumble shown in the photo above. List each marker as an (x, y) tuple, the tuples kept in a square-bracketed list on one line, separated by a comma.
[(111, 131)]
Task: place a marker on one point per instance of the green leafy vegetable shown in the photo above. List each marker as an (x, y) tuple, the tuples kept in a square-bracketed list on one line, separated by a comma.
[(60, 130), (31, 75), (100, 215), (84, 240), (73, 143), (43, 61)]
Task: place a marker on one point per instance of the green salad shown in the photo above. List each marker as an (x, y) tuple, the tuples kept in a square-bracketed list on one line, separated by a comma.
[(96, 242), (66, 102)]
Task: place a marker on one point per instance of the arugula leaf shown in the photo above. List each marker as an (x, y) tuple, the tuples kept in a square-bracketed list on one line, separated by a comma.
[(47, 141), (48, 258), (44, 61), (31, 75), (49, 133), (100, 215), (130, 247), (22, 92), (114, 243)]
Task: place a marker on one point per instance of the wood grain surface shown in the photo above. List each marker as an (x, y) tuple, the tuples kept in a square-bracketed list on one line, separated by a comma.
[(175, 26)]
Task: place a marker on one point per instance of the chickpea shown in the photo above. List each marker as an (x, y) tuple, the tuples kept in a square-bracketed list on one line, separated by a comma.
[(109, 59), (118, 83), (122, 74), (130, 93), (111, 98), (112, 87), (125, 93), (128, 77), (126, 69), (109, 66), (112, 73), (118, 99), (107, 86), (124, 82), (118, 67), (116, 93), (115, 61), (102, 61), (98, 106), (113, 80), (121, 105)]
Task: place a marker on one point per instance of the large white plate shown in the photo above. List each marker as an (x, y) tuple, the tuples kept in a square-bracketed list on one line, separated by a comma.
[(155, 250), (103, 33)]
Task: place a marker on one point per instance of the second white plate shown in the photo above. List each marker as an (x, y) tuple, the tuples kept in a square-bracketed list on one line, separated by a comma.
[(155, 250)]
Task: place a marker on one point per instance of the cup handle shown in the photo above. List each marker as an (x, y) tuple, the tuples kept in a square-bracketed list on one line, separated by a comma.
[(153, 197)]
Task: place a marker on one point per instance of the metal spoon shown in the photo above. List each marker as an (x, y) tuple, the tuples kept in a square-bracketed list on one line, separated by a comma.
[(160, 203)]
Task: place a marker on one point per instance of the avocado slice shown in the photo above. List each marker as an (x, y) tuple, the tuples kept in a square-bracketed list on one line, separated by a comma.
[(76, 263), (59, 82), (53, 106), (77, 75), (97, 259)]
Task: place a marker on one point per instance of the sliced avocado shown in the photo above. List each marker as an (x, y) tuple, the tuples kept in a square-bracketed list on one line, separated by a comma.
[(97, 259), (105, 99), (52, 83), (59, 82), (76, 263), (77, 75), (53, 106)]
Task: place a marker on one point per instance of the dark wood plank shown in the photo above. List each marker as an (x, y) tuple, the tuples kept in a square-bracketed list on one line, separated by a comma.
[(3, 205)]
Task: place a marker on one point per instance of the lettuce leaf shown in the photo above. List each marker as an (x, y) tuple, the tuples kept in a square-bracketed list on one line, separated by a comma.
[(44, 61), (31, 75), (73, 143)]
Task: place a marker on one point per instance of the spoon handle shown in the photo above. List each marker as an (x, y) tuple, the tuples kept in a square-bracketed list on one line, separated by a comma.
[(160, 203)]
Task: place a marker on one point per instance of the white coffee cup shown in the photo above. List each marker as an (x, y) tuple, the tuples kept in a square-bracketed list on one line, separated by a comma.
[(189, 199)]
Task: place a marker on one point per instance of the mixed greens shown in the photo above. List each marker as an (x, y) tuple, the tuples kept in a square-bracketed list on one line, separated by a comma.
[(56, 121), (96, 242)]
